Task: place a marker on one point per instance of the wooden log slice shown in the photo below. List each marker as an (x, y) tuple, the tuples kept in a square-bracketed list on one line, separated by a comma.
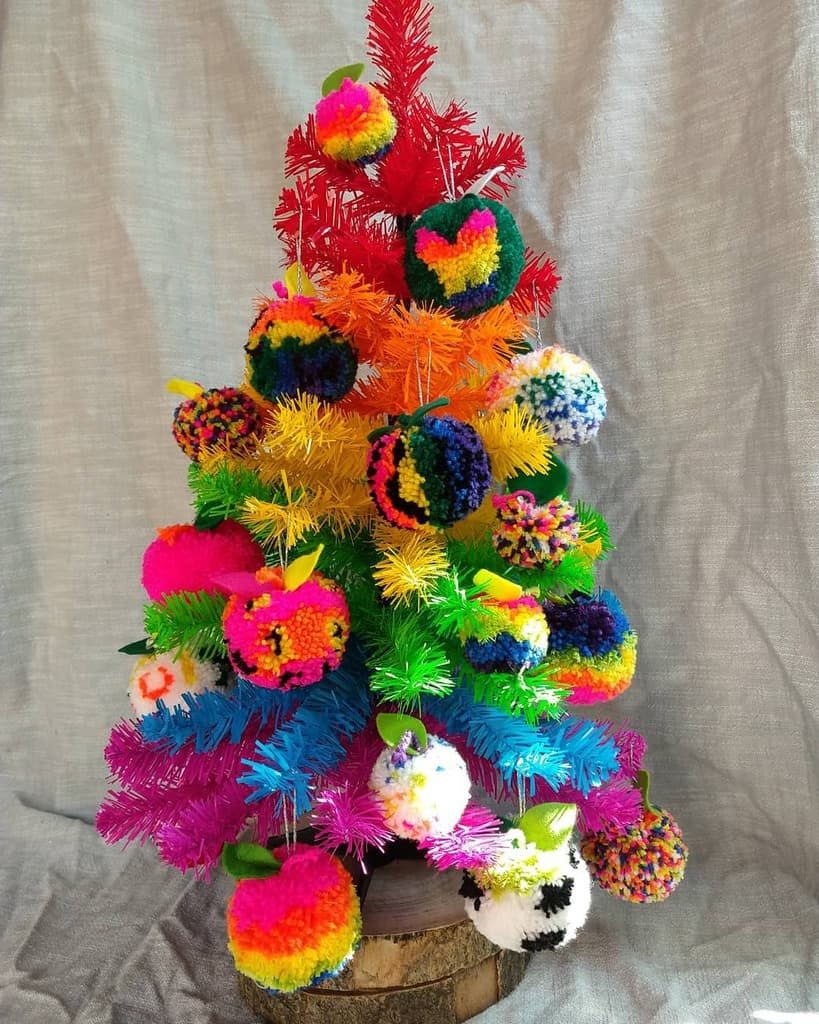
[(420, 961)]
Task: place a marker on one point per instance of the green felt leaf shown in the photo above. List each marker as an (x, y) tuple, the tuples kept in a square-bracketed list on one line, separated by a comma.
[(391, 729), (548, 826), (643, 780), (335, 78), (137, 647), (248, 860), (544, 486)]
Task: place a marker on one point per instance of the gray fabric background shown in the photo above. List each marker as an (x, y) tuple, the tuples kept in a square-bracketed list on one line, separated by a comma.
[(672, 174)]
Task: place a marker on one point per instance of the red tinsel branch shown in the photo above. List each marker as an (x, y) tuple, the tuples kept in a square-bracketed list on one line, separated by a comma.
[(537, 284), (398, 45), (486, 153)]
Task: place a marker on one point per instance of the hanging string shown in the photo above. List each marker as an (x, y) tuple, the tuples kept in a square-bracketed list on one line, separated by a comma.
[(538, 335), (429, 375), (299, 238)]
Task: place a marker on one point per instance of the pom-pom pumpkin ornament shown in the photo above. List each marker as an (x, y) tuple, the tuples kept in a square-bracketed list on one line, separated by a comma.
[(533, 536), (592, 647), (523, 639), (537, 894), (353, 120), (217, 416), (420, 781), (290, 349), (168, 677), (294, 919), (427, 472), (643, 863), (285, 627), (560, 389), (466, 255)]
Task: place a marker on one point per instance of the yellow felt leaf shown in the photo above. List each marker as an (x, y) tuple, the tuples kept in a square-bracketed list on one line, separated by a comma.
[(300, 570), (496, 586), (297, 282), (188, 388)]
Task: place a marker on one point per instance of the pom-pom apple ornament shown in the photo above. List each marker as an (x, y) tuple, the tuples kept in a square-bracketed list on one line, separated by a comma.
[(420, 781), (427, 472), (642, 863), (285, 627), (294, 919), (168, 677), (353, 120), (521, 642), (531, 535), (560, 389), (592, 647), (537, 893), (184, 557), (291, 350), (466, 255), (217, 416)]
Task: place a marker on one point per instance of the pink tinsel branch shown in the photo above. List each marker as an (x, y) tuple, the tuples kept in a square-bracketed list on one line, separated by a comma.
[(475, 842), (349, 819)]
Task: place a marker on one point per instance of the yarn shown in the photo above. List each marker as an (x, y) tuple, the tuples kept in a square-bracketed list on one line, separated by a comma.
[(559, 389), (295, 927), (167, 677), (290, 350), (643, 863), (531, 535), (430, 474), (422, 794), (593, 650), (281, 638), (355, 123), (467, 255), (184, 557), (522, 643), (218, 416)]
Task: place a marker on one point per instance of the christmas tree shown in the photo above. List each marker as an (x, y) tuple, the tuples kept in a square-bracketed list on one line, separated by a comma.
[(384, 617)]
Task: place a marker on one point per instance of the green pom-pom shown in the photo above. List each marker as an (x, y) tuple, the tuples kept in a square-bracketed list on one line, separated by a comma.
[(467, 255)]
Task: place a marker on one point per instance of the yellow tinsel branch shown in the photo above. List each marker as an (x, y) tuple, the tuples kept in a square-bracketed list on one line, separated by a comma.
[(515, 442)]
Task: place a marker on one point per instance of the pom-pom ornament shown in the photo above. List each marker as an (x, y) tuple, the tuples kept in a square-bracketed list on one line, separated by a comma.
[(354, 123), (183, 557), (533, 536), (592, 647), (286, 627), (218, 416), (168, 677), (297, 925), (427, 471), (531, 898), (523, 640), (643, 863), (420, 781), (291, 350), (466, 255), (558, 388)]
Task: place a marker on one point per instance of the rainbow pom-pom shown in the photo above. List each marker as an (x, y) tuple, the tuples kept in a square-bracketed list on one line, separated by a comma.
[(218, 416), (467, 255), (592, 648), (559, 389), (643, 863), (297, 927), (521, 645), (355, 123), (430, 474), (291, 350), (282, 638), (532, 535)]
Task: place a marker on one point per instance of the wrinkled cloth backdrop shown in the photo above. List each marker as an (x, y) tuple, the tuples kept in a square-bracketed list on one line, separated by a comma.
[(672, 175)]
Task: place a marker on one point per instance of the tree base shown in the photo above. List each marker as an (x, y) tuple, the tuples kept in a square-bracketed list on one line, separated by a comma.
[(420, 960)]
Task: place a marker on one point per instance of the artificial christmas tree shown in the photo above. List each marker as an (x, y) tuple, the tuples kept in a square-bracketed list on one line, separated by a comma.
[(387, 600)]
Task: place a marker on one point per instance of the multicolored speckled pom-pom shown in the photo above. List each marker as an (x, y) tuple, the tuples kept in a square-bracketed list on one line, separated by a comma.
[(282, 638), (297, 927), (291, 350), (523, 643), (532, 535), (559, 389), (218, 416), (355, 123), (643, 863), (467, 255), (592, 648), (430, 474)]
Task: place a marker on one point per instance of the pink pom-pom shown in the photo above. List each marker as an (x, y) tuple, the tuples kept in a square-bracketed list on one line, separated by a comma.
[(185, 558)]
